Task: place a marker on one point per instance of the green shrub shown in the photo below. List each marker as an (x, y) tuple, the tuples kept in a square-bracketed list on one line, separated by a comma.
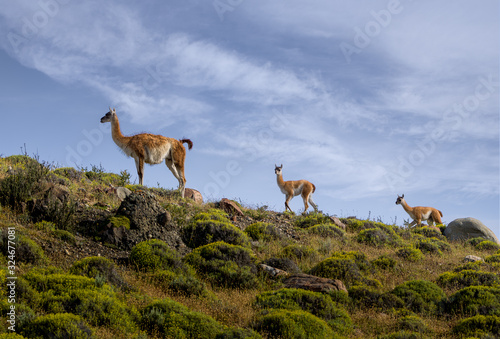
[(495, 258), (180, 284), (58, 326), (474, 300), (17, 188), (262, 231), (410, 253), (59, 282), (203, 232), (311, 219), (213, 214), (69, 173), (297, 324), (318, 304), (45, 226), (94, 267), (27, 251), (173, 320), (487, 245), (225, 265), (97, 307), (355, 225), (379, 235), (154, 254), (327, 230), (432, 246), (11, 335), (478, 326), (420, 295), (296, 251), (412, 323), (366, 297), (120, 221), (65, 236), (345, 266), (429, 232), (384, 262), (468, 278)]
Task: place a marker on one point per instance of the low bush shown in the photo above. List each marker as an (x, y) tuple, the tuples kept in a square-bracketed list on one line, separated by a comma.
[(345, 266), (58, 326), (225, 265), (173, 320), (384, 262), (262, 231), (487, 245), (478, 326), (474, 300), (432, 246), (27, 251), (410, 253), (318, 304), (297, 324), (366, 297), (495, 258), (186, 285), (154, 254), (120, 221), (467, 278), (311, 219), (429, 232), (202, 232), (420, 295), (379, 236), (65, 236), (99, 267), (327, 230), (403, 335), (412, 323)]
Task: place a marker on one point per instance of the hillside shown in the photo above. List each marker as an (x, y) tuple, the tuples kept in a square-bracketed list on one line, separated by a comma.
[(80, 262)]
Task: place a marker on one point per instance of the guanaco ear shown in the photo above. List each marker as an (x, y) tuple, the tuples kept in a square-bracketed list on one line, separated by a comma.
[(281, 166), (403, 196)]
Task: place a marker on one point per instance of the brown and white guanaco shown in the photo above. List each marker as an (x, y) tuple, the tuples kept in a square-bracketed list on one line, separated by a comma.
[(294, 188), (150, 149), (419, 213)]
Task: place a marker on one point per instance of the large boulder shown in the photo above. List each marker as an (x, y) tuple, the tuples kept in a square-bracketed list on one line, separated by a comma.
[(467, 228)]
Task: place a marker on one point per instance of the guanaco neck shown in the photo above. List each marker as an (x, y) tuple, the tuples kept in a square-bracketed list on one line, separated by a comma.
[(116, 133), (279, 178), (406, 207)]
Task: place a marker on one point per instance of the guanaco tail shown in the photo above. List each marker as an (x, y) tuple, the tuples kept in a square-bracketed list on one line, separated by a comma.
[(294, 188), (150, 149), (419, 213)]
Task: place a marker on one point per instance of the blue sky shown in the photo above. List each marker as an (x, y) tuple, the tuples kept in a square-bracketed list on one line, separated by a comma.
[(366, 99)]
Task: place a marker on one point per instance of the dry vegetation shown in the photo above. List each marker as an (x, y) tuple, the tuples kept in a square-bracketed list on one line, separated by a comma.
[(379, 304)]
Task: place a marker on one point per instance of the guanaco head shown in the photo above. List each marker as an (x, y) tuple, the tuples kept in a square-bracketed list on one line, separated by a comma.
[(277, 169), (400, 198), (109, 116)]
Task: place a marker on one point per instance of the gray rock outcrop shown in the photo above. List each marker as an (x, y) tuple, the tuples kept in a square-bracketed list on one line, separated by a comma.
[(467, 228)]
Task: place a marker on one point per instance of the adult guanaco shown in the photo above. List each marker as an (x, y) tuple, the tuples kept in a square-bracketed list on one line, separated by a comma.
[(419, 213), (150, 149), (294, 188)]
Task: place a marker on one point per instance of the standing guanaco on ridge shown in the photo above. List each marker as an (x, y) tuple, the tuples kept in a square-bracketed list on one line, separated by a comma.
[(419, 213), (296, 187), (150, 149)]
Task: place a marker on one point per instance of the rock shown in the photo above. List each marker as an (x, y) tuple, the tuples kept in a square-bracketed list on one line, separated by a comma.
[(336, 221), (472, 258), (273, 272), (193, 194), (467, 228), (230, 207), (141, 208), (123, 192), (313, 283)]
